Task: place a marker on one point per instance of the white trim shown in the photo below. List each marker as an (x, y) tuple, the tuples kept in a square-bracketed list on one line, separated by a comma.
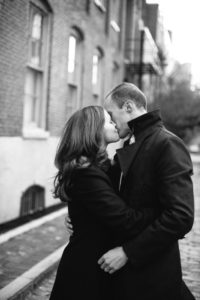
[(35, 133)]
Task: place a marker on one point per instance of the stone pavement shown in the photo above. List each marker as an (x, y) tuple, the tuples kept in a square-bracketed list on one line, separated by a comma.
[(22, 252), (189, 247), (43, 290)]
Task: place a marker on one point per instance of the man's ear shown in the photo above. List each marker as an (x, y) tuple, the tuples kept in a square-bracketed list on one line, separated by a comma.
[(128, 106)]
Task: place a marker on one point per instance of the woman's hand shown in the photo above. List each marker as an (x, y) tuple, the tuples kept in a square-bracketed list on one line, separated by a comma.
[(113, 260)]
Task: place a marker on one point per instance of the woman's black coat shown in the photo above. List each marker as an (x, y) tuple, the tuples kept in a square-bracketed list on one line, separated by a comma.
[(101, 220)]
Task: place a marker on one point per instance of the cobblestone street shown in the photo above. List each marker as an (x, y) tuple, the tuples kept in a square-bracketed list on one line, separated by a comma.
[(190, 254), (190, 246)]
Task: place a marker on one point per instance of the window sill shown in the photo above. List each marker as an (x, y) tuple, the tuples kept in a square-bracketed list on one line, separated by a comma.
[(95, 94), (35, 133), (73, 84), (35, 67)]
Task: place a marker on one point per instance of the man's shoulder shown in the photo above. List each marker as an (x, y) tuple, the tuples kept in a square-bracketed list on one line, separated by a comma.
[(170, 143), (167, 137)]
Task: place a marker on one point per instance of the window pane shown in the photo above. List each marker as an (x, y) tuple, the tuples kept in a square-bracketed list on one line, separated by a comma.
[(35, 89), (37, 27), (38, 99), (33, 97), (72, 54), (35, 52), (36, 39), (32, 200), (95, 69)]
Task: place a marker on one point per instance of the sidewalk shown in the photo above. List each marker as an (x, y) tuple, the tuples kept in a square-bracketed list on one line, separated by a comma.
[(27, 257)]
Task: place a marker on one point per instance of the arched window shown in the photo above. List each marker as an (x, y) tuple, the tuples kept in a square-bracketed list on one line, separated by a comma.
[(74, 56), (75, 70), (97, 69), (32, 200)]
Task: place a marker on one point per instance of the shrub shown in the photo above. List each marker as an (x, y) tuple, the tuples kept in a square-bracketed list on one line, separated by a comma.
[(180, 110)]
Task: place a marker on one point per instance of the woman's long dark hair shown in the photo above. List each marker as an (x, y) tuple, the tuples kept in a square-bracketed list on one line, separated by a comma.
[(81, 144)]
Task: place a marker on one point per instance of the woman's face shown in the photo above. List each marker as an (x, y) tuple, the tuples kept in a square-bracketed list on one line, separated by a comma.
[(110, 132)]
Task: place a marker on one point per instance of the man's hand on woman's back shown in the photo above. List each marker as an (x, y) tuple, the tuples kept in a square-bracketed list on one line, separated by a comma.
[(68, 225)]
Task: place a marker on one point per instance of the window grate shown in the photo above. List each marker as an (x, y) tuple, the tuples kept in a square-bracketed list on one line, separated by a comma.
[(32, 200)]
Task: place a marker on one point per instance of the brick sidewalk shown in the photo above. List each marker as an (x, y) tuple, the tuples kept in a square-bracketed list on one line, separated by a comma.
[(22, 252)]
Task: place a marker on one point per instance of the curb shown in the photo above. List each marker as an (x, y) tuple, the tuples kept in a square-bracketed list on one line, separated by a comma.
[(31, 225), (18, 288)]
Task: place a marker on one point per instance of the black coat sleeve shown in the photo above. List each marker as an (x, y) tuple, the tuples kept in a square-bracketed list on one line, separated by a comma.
[(94, 191), (114, 173), (175, 194)]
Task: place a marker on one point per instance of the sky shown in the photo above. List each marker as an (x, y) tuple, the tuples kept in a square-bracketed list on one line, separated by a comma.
[(183, 18)]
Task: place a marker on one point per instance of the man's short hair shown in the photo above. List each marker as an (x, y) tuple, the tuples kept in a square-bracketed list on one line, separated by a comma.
[(127, 91)]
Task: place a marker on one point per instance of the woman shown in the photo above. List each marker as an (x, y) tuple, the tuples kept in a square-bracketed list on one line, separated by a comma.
[(101, 220)]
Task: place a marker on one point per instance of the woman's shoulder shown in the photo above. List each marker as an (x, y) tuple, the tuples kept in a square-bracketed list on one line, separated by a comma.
[(88, 170), (90, 176), (90, 179)]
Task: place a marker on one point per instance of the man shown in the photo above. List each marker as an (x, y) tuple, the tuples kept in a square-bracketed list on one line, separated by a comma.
[(156, 172)]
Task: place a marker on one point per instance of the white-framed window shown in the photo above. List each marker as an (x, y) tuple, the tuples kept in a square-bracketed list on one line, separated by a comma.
[(75, 69), (101, 4), (71, 54), (115, 26), (74, 57), (115, 16), (36, 38), (35, 89), (97, 68), (115, 74)]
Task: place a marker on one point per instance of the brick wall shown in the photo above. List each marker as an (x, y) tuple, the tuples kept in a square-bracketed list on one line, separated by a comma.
[(13, 58), (13, 53), (92, 24), (29, 161)]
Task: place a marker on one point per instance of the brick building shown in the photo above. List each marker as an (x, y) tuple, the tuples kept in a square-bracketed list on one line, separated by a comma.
[(147, 45), (55, 57)]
